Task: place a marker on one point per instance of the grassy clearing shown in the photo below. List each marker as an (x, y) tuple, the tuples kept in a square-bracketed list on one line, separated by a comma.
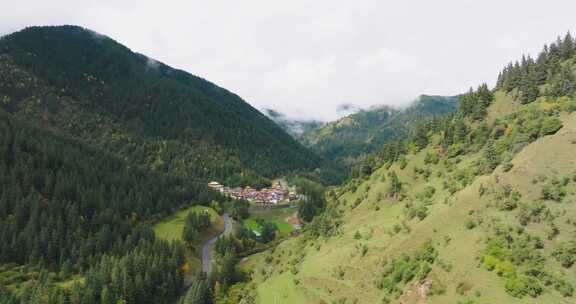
[(276, 216), (171, 229)]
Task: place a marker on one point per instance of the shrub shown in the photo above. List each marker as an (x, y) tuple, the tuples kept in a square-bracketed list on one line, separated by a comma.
[(431, 158), (505, 269), (553, 192), (550, 126), (565, 254), (523, 285), (564, 288), (508, 205), (470, 224), (403, 163)]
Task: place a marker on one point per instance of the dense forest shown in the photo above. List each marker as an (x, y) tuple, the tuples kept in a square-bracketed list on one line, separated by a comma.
[(74, 209), (87, 85)]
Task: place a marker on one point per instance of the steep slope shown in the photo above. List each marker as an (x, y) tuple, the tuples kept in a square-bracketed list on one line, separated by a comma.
[(476, 208), (363, 132), (81, 83)]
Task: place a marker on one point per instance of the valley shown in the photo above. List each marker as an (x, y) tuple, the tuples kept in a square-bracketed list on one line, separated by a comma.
[(125, 182)]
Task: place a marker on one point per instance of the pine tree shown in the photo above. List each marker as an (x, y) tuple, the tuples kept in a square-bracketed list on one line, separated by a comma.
[(395, 186), (567, 48), (491, 156), (528, 88)]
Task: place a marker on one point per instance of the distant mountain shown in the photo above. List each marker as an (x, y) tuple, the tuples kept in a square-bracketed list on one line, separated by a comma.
[(77, 82), (349, 137), (294, 127)]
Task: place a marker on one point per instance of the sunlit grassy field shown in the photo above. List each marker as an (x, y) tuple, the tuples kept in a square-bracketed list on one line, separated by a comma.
[(276, 216)]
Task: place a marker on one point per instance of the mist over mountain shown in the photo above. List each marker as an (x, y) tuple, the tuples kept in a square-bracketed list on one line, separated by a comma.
[(345, 139), (295, 127)]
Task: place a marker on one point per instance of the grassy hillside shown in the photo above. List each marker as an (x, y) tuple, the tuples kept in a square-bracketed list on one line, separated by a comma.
[(84, 84), (376, 229), (364, 132), (477, 207)]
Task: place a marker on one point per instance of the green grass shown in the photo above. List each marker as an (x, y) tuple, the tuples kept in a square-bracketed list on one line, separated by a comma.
[(276, 216), (251, 224)]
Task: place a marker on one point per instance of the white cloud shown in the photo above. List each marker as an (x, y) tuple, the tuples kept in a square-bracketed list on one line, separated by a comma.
[(307, 57), (391, 61), (300, 74)]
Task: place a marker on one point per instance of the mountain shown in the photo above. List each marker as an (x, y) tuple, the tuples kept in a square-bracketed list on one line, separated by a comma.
[(295, 127), (77, 82), (347, 138), (473, 207)]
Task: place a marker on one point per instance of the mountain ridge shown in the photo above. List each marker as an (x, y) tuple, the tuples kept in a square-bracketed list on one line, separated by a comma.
[(81, 73)]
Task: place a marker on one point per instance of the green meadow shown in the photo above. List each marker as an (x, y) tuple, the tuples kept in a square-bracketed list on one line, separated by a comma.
[(276, 216)]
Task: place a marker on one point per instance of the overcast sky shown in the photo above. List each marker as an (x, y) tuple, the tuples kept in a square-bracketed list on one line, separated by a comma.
[(305, 58)]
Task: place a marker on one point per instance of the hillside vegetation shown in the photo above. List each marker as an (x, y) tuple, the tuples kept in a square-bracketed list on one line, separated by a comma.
[(473, 207)]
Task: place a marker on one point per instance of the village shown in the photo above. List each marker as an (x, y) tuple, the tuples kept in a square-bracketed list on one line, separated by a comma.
[(270, 196)]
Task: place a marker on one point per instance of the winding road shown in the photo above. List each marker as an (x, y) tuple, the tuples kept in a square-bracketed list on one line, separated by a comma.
[(206, 257)]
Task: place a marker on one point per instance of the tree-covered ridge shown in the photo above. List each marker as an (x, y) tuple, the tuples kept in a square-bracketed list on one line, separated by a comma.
[(364, 132), (551, 74), (79, 82)]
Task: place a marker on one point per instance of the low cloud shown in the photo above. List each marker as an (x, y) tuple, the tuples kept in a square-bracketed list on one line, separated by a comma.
[(304, 58)]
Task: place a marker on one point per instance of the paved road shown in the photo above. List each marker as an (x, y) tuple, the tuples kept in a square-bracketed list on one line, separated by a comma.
[(206, 257)]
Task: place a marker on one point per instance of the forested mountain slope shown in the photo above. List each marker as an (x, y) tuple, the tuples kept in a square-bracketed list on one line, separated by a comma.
[(78, 82), (363, 132), (475, 207), (74, 222)]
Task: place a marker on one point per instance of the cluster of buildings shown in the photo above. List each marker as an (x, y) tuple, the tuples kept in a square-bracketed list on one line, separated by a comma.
[(272, 195)]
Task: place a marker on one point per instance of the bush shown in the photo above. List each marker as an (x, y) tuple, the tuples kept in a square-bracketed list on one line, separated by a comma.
[(550, 126), (553, 192), (507, 166), (508, 205), (470, 224), (505, 269), (520, 286), (565, 254), (431, 158), (564, 288)]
